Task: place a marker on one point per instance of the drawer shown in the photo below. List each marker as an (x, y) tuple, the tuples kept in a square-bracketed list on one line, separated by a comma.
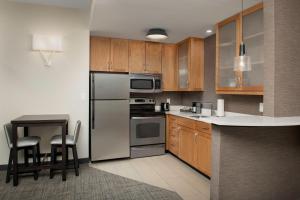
[(188, 123), (203, 127)]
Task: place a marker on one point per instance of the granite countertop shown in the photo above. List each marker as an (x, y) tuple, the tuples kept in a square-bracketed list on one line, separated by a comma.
[(237, 119)]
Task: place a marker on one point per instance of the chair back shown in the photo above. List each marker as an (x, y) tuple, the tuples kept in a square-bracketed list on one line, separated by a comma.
[(76, 131), (8, 134)]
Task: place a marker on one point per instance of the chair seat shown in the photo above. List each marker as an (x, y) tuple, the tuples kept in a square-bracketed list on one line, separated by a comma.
[(57, 140), (27, 141)]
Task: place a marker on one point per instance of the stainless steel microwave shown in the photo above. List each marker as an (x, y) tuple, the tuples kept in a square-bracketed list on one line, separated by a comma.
[(145, 83)]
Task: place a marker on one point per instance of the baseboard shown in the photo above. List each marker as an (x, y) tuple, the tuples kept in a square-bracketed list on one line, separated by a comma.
[(81, 161)]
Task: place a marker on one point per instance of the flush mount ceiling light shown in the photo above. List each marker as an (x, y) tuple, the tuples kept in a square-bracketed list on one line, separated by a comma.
[(157, 34), (47, 46), (242, 62), (208, 31)]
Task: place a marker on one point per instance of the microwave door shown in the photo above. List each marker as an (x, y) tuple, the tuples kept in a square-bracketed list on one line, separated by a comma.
[(142, 85)]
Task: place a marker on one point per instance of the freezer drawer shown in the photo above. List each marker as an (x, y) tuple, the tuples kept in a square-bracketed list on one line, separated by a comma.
[(109, 129), (109, 86)]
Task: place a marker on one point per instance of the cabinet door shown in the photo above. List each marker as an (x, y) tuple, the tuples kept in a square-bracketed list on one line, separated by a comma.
[(119, 55), (137, 56), (253, 31), (196, 67), (186, 144), (183, 63), (169, 67), (153, 57), (99, 54), (227, 49), (203, 153)]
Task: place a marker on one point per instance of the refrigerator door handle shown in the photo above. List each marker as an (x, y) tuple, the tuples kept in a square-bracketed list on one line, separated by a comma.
[(93, 114), (93, 85)]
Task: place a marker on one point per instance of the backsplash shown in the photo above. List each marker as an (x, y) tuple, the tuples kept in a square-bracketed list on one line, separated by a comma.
[(233, 103)]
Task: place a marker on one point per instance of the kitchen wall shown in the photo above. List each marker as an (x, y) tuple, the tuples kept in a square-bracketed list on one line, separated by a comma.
[(233, 103), (27, 86)]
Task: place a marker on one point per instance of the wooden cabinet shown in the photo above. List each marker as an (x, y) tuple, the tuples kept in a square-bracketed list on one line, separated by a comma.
[(186, 144), (153, 57), (190, 140), (108, 55), (169, 67), (228, 39), (119, 55), (191, 64), (99, 54), (137, 56)]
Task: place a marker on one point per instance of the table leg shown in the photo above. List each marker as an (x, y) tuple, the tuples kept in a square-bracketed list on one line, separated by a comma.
[(63, 149), (26, 150), (15, 154)]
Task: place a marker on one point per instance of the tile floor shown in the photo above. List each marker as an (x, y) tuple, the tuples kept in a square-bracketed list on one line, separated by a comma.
[(164, 171)]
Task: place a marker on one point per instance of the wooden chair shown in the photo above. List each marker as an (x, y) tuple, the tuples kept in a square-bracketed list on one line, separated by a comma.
[(25, 143), (71, 141)]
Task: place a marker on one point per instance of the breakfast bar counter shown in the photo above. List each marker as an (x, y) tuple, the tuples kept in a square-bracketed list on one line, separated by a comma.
[(253, 157)]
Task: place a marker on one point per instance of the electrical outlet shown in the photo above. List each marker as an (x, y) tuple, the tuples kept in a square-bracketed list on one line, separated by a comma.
[(169, 100), (261, 107)]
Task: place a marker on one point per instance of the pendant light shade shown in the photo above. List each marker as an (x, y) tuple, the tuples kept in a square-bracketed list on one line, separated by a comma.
[(242, 62), (157, 34)]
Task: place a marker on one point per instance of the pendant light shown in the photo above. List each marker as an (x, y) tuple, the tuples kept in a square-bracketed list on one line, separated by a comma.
[(157, 34), (242, 62)]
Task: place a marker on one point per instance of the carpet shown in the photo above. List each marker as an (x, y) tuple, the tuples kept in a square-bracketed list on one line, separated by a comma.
[(91, 184)]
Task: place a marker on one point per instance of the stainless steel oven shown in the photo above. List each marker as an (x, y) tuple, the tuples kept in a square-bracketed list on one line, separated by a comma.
[(145, 83), (147, 130)]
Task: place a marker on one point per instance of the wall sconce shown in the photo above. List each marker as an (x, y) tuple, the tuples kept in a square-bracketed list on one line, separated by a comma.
[(47, 46)]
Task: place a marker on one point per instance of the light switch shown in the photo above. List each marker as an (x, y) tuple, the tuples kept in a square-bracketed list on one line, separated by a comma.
[(261, 107)]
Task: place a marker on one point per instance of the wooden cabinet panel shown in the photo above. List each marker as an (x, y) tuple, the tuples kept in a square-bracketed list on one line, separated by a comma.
[(196, 68), (169, 67), (153, 57), (203, 153), (137, 56), (99, 54), (203, 127), (119, 55), (174, 140), (186, 144)]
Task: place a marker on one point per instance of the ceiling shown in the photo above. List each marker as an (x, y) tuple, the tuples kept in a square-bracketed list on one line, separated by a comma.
[(79, 4), (181, 18)]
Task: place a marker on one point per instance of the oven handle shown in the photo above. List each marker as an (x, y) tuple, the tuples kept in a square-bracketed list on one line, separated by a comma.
[(161, 117)]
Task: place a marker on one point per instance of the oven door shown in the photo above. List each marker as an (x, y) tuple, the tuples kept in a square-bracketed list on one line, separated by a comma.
[(141, 83), (147, 130)]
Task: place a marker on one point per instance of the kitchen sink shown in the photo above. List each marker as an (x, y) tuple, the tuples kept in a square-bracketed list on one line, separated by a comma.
[(198, 116)]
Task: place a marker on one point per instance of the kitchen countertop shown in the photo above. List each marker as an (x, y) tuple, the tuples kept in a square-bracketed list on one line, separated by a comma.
[(237, 119)]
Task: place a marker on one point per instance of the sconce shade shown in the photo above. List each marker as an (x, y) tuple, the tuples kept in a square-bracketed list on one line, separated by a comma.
[(47, 43)]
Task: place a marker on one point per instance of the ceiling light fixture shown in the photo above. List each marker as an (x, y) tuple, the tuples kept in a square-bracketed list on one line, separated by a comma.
[(242, 62), (157, 34), (209, 31)]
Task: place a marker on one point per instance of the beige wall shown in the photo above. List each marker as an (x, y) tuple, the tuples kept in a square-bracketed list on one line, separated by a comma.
[(26, 85)]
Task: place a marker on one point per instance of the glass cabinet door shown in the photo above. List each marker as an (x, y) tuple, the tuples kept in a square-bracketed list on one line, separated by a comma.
[(226, 48), (253, 36), (183, 50)]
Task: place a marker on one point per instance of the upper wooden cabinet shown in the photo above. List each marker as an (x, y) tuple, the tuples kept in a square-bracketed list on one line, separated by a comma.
[(191, 64), (108, 54), (119, 55), (153, 57), (99, 54), (228, 39), (169, 67), (137, 56)]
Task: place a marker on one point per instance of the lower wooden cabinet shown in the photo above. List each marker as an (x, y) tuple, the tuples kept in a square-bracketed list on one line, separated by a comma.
[(190, 140)]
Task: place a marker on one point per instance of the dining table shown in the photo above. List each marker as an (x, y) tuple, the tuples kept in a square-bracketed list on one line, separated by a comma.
[(27, 121)]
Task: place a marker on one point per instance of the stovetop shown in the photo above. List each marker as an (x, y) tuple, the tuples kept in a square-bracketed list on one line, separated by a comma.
[(143, 107)]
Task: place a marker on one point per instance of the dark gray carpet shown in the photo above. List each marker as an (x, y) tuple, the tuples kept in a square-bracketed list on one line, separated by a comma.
[(91, 184)]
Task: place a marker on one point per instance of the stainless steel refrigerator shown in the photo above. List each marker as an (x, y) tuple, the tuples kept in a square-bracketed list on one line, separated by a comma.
[(109, 120)]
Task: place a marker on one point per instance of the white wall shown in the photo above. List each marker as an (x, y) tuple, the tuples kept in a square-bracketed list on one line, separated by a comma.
[(27, 86)]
